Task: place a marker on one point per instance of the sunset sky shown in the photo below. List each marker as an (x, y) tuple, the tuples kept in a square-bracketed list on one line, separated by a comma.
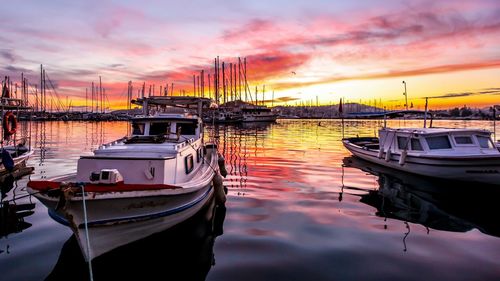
[(447, 50)]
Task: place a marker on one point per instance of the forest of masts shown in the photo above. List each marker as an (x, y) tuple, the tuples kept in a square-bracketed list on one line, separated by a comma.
[(228, 82), (44, 97)]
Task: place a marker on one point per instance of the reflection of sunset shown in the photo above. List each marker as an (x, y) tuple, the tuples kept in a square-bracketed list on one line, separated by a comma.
[(351, 50)]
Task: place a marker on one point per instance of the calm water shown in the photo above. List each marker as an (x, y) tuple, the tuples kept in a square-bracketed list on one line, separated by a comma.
[(298, 208)]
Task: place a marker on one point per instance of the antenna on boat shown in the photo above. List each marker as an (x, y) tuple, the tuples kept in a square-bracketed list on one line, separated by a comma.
[(494, 123), (406, 96), (425, 114)]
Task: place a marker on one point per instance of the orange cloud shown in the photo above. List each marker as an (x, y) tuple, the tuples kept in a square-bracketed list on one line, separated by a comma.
[(394, 73)]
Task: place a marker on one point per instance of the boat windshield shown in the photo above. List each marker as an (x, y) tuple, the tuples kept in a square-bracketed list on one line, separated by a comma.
[(138, 128), (158, 128), (416, 145), (484, 142), (187, 129)]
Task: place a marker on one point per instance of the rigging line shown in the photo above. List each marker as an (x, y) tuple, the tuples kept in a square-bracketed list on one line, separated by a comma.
[(204, 159), (87, 232), (109, 104), (54, 89)]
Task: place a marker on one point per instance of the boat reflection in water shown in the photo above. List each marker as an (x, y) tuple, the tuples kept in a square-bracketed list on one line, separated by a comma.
[(185, 250), (13, 211), (436, 204), (12, 217)]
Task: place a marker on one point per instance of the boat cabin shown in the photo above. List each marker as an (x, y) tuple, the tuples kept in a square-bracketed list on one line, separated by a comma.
[(165, 127), (437, 141), (162, 149)]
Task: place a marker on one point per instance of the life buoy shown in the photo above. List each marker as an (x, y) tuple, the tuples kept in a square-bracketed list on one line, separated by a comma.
[(9, 123)]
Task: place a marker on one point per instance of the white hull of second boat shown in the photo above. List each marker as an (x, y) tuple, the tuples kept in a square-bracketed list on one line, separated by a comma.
[(483, 170)]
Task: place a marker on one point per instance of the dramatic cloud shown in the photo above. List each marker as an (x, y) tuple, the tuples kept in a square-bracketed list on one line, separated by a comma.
[(395, 73), (8, 55), (155, 43), (285, 99), (493, 91)]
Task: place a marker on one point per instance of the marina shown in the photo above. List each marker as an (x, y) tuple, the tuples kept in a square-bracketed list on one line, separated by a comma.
[(304, 196), (250, 140)]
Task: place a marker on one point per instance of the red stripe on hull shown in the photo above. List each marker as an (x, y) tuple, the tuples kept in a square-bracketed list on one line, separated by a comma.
[(120, 186)]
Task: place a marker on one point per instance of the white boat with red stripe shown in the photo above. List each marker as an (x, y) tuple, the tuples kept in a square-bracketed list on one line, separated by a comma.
[(160, 175)]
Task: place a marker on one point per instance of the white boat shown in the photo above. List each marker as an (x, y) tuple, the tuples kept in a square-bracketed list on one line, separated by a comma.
[(14, 157), (455, 154), (222, 115), (159, 176), (185, 250), (255, 113), (14, 152)]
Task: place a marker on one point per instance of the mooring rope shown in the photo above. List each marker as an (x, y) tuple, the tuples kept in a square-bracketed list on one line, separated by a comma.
[(87, 233)]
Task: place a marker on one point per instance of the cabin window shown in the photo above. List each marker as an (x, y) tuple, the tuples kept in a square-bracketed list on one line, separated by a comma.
[(402, 143), (484, 142), (159, 128), (188, 163), (416, 145), (199, 155), (441, 142), (138, 128), (463, 140), (187, 129)]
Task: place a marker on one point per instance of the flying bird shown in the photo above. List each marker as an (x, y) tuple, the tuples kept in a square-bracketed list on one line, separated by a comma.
[(293, 72)]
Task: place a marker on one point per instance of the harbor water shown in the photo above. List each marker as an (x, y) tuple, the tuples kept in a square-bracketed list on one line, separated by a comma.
[(298, 207)]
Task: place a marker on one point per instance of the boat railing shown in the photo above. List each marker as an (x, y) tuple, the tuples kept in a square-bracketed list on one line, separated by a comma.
[(184, 143), (112, 143)]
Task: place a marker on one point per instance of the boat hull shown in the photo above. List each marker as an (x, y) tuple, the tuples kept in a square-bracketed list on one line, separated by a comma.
[(481, 170), (262, 118), (120, 213), (112, 223), (19, 162)]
